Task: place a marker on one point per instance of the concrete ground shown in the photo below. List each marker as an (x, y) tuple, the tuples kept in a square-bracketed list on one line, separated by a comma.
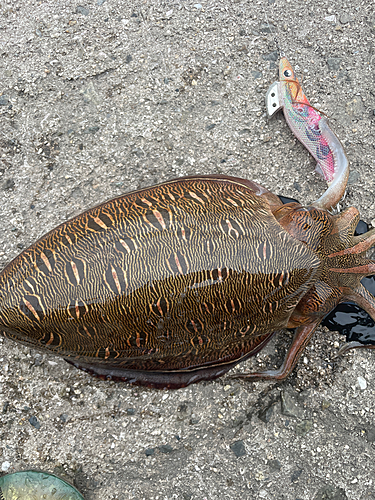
[(106, 96)]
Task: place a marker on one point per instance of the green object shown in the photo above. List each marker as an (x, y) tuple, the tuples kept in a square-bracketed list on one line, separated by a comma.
[(31, 485)]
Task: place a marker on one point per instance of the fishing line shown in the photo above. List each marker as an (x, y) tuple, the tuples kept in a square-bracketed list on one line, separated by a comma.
[(280, 52)]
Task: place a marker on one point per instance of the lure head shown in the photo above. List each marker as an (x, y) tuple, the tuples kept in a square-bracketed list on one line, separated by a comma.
[(291, 91), (286, 91), (286, 72)]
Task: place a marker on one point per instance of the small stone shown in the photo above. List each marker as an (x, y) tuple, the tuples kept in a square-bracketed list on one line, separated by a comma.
[(130, 411), (90, 130), (267, 28), (353, 177), (304, 427), (210, 127), (149, 452), (82, 10), (289, 407), (325, 404), (259, 476), (355, 108), (4, 101), (266, 413), (256, 74), (344, 18), (238, 422), (138, 152), (331, 19), (296, 475), (38, 359), (334, 63), (64, 417), (329, 492), (272, 56), (274, 465), (5, 466), (238, 448), (128, 59), (362, 383), (9, 184), (100, 2), (198, 6), (165, 448), (34, 422), (370, 434)]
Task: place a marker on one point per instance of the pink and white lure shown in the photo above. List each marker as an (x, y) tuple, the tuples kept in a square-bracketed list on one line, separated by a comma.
[(313, 131)]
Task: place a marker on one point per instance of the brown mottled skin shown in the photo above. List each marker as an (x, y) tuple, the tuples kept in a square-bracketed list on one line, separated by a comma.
[(179, 282)]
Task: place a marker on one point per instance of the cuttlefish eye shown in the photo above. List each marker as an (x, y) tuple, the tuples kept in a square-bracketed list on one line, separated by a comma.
[(288, 73)]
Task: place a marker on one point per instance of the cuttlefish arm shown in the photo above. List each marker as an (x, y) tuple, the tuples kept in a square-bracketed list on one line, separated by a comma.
[(313, 131)]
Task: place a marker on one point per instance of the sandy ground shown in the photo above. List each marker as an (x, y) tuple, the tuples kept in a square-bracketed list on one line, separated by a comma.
[(104, 97)]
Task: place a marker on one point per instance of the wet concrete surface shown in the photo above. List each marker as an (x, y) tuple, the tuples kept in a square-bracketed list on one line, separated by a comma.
[(101, 98)]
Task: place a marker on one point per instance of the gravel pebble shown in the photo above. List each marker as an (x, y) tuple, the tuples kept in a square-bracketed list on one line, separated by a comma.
[(272, 56), (334, 63), (4, 100), (289, 406), (9, 184), (82, 10), (34, 422), (274, 465), (330, 492), (370, 434), (362, 383), (238, 448), (344, 18), (5, 466)]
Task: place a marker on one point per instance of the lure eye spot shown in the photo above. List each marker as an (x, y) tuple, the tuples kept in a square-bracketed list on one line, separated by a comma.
[(274, 105), (288, 73), (273, 94)]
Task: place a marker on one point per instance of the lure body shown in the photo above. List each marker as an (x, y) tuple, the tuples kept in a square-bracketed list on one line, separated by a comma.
[(179, 282), (313, 131)]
